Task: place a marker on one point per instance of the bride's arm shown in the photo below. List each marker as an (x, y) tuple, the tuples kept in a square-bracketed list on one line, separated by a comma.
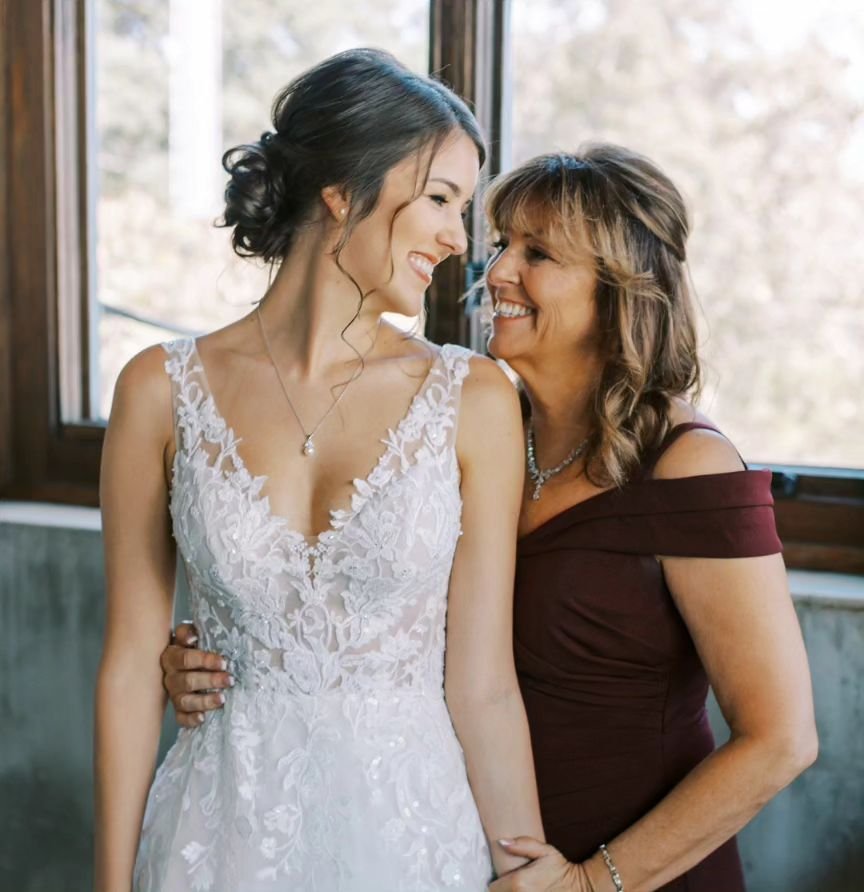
[(139, 566), (480, 678)]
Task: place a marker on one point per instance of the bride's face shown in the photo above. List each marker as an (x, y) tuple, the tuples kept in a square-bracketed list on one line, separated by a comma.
[(397, 247)]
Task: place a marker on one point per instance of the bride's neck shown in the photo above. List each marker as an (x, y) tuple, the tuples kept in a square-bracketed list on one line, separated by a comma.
[(309, 312)]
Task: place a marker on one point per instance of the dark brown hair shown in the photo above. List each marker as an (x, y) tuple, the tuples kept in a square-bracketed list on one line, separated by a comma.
[(345, 122)]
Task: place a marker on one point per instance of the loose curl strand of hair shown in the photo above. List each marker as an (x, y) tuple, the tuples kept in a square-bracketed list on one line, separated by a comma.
[(346, 122)]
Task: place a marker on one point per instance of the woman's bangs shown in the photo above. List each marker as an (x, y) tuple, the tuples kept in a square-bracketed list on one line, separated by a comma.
[(533, 204)]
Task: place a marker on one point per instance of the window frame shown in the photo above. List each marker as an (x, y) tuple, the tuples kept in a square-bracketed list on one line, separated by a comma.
[(41, 456), (44, 271)]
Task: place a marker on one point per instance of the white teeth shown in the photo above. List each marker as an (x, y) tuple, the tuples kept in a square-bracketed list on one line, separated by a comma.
[(511, 310), (421, 263)]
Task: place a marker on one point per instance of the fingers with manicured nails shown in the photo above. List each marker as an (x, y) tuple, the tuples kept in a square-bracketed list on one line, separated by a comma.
[(548, 870), (186, 635), (526, 846), (197, 682), (193, 678), (201, 659), (180, 659), (198, 659), (197, 702), (176, 659), (190, 719)]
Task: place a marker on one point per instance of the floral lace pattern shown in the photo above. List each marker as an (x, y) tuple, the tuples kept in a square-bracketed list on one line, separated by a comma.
[(333, 765)]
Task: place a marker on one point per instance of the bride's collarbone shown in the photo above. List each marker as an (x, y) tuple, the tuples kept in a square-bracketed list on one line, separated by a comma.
[(302, 489)]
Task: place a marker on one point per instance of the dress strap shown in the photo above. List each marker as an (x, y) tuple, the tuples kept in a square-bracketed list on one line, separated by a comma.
[(455, 363), (188, 388)]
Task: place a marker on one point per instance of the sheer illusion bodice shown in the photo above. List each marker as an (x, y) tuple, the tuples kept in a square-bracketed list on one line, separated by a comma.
[(333, 765)]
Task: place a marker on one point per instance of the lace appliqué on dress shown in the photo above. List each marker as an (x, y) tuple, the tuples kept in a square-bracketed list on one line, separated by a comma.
[(334, 764)]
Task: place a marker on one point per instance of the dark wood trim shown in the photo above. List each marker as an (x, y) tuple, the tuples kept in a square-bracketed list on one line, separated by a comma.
[(465, 43), (6, 332), (820, 518), (50, 460), (72, 225), (827, 558)]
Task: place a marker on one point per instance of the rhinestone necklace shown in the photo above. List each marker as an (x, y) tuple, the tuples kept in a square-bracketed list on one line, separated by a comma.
[(541, 477), (308, 448)]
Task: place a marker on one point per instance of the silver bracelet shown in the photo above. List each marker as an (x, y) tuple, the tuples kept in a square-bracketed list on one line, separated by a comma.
[(613, 870)]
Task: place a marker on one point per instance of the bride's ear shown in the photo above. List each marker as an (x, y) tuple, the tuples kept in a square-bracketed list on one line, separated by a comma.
[(336, 202)]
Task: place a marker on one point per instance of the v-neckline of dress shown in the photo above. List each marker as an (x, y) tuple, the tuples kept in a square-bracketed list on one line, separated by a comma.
[(362, 488)]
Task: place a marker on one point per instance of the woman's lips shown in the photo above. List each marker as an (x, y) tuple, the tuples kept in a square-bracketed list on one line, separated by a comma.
[(421, 265)]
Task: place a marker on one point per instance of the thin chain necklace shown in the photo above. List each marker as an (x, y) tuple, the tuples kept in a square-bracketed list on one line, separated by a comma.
[(541, 477), (308, 448)]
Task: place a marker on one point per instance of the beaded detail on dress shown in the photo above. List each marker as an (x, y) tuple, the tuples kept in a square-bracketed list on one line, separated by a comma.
[(333, 765)]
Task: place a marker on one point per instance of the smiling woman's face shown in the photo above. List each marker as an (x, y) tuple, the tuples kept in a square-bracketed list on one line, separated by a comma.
[(398, 264), (544, 301)]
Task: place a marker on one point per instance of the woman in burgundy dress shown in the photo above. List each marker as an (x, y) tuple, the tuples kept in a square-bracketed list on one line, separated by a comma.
[(648, 562)]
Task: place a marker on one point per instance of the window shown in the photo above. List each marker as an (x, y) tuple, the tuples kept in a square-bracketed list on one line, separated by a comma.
[(175, 85), (756, 111), (115, 112)]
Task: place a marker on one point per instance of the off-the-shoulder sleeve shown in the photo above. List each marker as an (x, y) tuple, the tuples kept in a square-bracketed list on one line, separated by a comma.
[(713, 515)]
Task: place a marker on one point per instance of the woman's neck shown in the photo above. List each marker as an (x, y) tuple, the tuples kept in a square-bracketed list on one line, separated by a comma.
[(307, 308), (560, 396)]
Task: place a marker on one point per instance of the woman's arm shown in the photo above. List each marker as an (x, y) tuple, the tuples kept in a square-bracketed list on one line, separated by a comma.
[(480, 678), (139, 568), (741, 617)]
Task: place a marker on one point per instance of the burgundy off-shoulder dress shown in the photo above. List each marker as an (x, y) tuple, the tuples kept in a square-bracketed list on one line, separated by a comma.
[(614, 689)]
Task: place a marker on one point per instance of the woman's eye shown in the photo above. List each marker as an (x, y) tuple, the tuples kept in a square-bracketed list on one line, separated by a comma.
[(499, 245), (536, 254), (440, 200)]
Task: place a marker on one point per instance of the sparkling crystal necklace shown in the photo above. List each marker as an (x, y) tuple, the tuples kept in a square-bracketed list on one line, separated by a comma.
[(541, 477), (308, 438)]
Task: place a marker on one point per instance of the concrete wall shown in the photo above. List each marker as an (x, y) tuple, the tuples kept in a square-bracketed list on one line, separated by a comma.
[(810, 839), (51, 623)]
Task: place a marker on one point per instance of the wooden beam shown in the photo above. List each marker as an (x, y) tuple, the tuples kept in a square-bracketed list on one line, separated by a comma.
[(466, 51)]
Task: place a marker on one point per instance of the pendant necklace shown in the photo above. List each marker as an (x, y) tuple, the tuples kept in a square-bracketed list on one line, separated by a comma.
[(541, 477), (308, 448)]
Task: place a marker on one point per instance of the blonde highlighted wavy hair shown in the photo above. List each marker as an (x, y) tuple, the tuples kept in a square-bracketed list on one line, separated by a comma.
[(635, 224)]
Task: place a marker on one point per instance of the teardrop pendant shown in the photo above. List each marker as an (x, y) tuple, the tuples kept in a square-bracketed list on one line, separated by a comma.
[(308, 446)]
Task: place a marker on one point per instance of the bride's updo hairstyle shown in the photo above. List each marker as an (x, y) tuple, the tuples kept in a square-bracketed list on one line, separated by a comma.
[(634, 221), (345, 123)]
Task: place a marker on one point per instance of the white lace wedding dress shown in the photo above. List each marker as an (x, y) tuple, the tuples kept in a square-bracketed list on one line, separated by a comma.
[(333, 765)]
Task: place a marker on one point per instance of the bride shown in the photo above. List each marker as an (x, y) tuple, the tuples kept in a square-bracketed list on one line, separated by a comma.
[(337, 489)]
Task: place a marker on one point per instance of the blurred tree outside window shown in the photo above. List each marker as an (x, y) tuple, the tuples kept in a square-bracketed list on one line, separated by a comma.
[(174, 85), (755, 108)]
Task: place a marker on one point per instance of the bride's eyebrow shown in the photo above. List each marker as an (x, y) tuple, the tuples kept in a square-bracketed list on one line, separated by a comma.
[(453, 187)]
